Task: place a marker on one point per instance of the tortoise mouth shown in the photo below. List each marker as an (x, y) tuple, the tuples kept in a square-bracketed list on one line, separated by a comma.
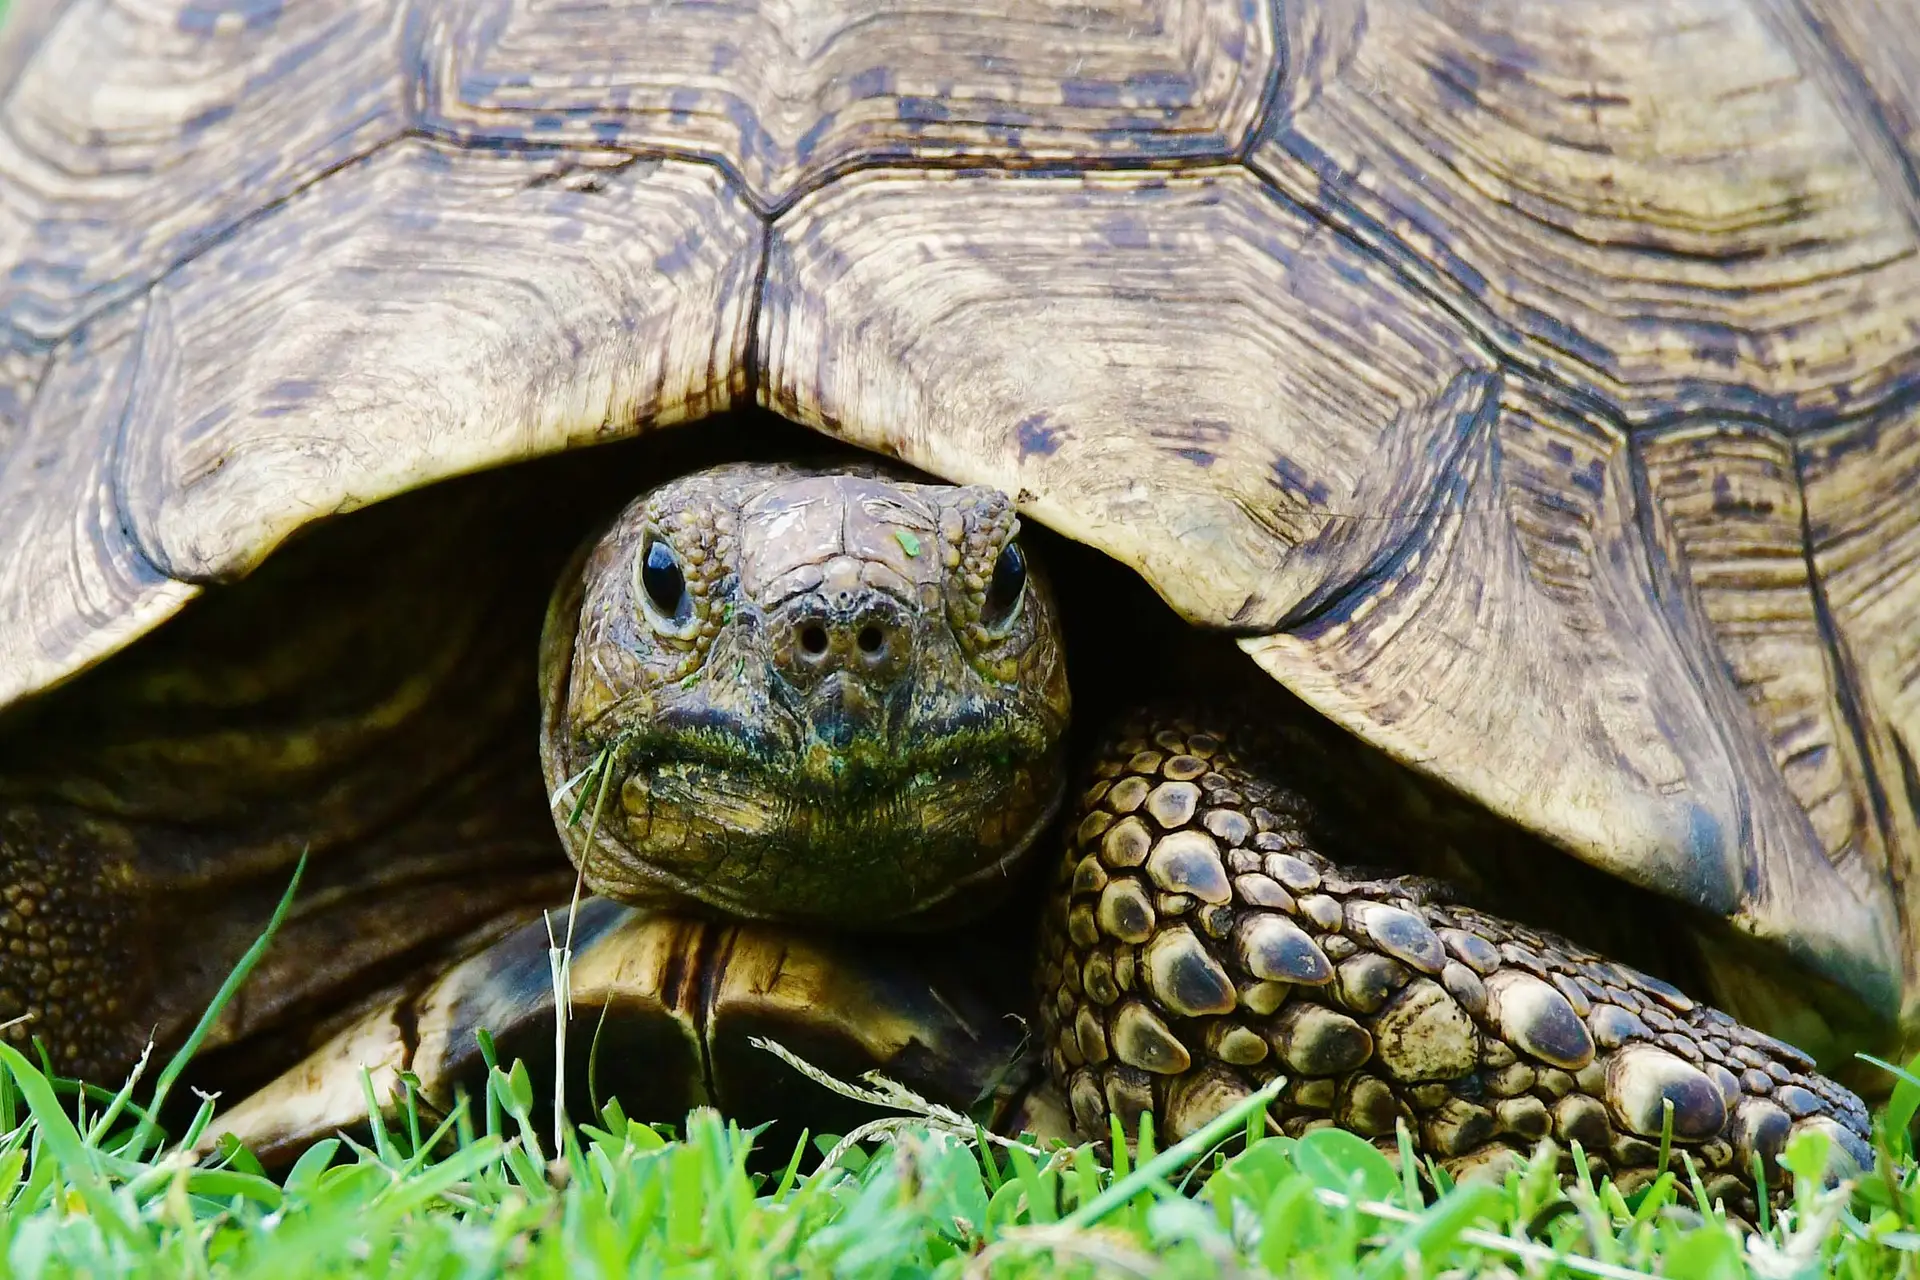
[(748, 821), (780, 881)]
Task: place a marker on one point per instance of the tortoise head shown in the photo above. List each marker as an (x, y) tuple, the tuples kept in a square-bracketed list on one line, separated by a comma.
[(803, 695)]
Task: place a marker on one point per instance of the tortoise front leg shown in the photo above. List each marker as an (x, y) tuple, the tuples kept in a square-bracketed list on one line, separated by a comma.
[(1198, 946), (664, 1011)]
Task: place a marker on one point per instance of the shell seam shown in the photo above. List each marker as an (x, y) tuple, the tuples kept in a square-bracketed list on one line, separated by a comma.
[(1846, 695)]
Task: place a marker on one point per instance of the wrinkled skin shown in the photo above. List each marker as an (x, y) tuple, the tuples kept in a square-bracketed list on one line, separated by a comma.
[(827, 698)]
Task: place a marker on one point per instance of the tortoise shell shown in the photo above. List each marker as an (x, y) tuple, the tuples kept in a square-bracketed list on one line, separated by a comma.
[(1534, 388)]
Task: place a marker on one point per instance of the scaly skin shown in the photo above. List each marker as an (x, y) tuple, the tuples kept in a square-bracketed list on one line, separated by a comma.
[(1198, 945)]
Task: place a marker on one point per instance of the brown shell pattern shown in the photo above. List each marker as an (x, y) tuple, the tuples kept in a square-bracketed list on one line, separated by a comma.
[(1505, 375)]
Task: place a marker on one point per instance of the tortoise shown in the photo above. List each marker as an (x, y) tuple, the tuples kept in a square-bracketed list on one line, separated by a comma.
[(1528, 390)]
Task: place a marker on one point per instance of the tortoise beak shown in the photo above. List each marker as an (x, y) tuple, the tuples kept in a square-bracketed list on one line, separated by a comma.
[(841, 712)]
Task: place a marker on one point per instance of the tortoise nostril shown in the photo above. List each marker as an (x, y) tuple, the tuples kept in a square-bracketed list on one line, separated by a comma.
[(864, 638)]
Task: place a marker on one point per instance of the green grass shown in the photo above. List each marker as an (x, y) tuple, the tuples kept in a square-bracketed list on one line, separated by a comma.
[(89, 1187), (480, 1196)]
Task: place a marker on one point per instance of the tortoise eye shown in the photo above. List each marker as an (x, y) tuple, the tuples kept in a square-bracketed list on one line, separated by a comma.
[(663, 586), (1006, 589)]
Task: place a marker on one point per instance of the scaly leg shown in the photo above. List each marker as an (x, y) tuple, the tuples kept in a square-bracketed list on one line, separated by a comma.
[(1199, 945)]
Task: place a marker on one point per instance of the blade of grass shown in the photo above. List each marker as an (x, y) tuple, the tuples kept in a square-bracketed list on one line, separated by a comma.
[(1666, 1133), (377, 1123), (1906, 1093), (1441, 1224), (560, 956), (136, 1146), (1531, 1251), (1180, 1153), (69, 1150), (405, 1195), (1409, 1164), (792, 1172), (98, 1129), (311, 1164)]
